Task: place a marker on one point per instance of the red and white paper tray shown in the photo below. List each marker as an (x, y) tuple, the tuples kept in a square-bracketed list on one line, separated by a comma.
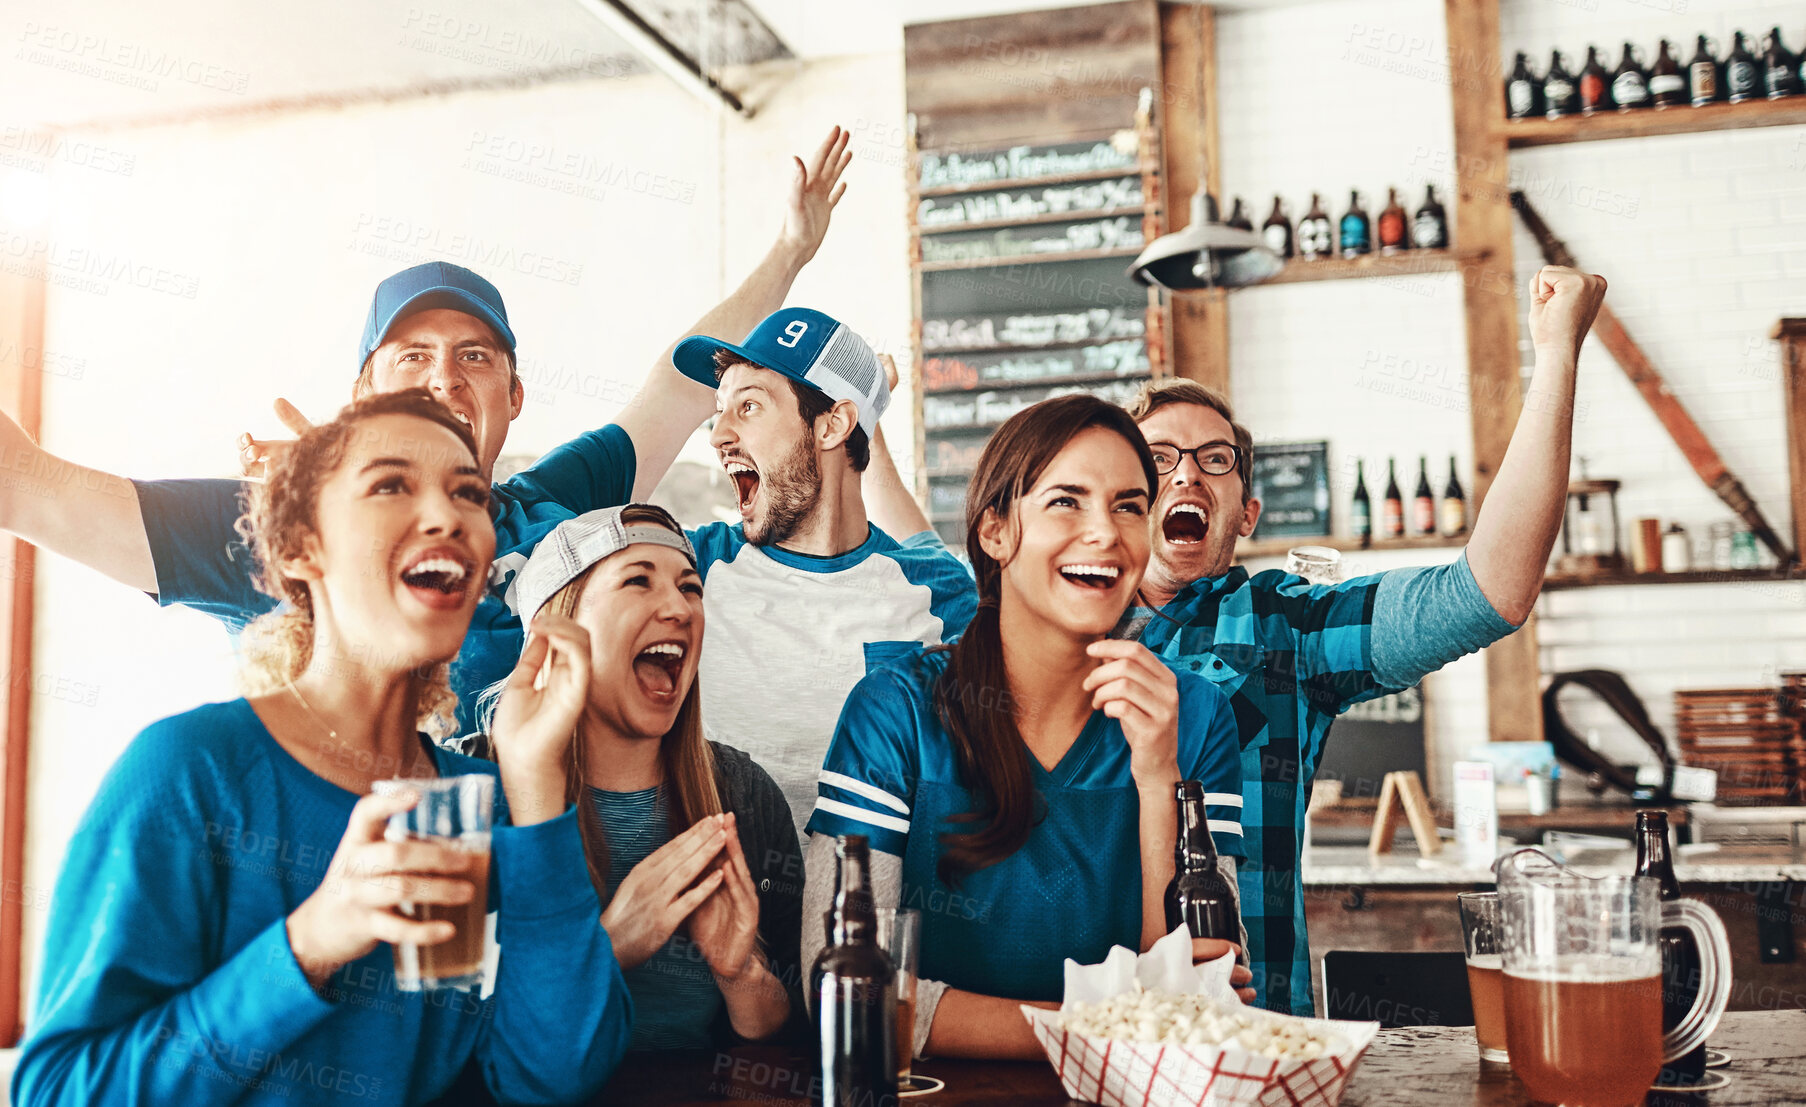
[(1120, 1071)]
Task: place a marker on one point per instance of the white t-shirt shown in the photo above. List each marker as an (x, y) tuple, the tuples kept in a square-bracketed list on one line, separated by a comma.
[(788, 635)]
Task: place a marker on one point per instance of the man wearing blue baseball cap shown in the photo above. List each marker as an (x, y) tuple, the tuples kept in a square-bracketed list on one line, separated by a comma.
[(804, 593), (443, 328)]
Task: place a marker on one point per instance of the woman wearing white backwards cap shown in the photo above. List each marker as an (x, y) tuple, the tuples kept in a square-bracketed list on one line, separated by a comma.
[(690, 845)]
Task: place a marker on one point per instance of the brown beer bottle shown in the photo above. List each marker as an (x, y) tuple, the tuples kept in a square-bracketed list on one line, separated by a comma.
[(1430, 230), (1742, 73), (1560, 96), (1314, 233), (1779, 77), (1630, 85), (1277, 231), (1523, 92), (1394, 233), (1595, 86), (1702, 75), (1393, 521), (1453, 512), (1199, 894), (1238, 217), (1680, 957), (1423, 502), (855, 991), (1666, 85)]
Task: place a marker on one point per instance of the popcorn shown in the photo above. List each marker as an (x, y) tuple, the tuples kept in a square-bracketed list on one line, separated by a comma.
[(1166, 1018)]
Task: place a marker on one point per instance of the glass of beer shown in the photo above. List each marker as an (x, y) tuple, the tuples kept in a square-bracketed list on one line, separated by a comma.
[(900, 937), (1485, 965), (455, 811), (1583, 982)]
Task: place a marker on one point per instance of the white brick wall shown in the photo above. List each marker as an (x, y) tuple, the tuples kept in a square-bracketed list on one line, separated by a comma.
[(1702, 236)]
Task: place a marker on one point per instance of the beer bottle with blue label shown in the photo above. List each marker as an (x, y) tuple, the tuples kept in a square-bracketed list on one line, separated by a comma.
[(1357, 231)]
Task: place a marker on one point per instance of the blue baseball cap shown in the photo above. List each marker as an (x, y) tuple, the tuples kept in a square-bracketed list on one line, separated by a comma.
[(436, 284), (806, 346)]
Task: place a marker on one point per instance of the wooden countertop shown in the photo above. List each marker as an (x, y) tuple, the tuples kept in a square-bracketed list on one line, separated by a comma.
[(1353, 865), (1421, 1065)]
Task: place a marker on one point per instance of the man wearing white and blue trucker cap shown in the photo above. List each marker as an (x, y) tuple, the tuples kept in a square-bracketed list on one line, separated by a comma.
[(804, 593), (444, 328)]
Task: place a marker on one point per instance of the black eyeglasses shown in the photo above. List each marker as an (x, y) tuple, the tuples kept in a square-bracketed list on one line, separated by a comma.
[(1218, 459)]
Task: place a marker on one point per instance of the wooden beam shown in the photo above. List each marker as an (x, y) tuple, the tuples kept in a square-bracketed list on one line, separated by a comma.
[(1792, 334), (1200, 320), (1482, 233), (21, 381)]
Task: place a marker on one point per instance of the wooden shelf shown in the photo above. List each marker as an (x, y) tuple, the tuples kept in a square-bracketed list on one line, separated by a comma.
[(1277, 547), (1520, 133), (1025, 259), (1035, 182), (1556, 582), (1404, 264), (1048, 217)]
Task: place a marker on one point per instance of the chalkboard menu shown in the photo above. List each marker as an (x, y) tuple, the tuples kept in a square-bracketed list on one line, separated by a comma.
[(1374, 738), (1022, 292), (1292, 481)]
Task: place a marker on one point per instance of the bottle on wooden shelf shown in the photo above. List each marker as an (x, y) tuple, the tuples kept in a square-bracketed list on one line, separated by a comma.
[(1277, 231), (1360, 512), (1430, 230), (1453, 512), (1702, 75), (1394, 225), (1238, 217), (1595, 85), (1314, 237), (1356, 238), (1560, 95), (1423, 502), (1667, 87), (1742, 72), (1630, 82), (1393, 525), (1523, 92), (1780, 78)]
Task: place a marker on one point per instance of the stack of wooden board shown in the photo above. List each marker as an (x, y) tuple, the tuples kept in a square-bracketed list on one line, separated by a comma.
[(1746, 736)]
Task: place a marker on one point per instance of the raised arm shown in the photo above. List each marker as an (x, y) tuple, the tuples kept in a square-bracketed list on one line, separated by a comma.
[(889, 501), (669, 406), (1516, 527), (81, 513)]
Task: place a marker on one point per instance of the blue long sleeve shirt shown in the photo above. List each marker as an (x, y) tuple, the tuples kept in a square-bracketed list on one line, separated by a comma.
[(168, 977)]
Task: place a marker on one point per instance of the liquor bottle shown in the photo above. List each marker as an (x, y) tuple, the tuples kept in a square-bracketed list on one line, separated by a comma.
[(1630, 84), (1357, 230), (1199, 894), (855, 990), (1560, 97), (1394, 225), (1680, 957), (1277, 231), (1702, 76), (1423, 503), (1313, 232), (1666, 85), (1393, 525), (1595, 85), (1430, 230), (1238, 217), (1360, 515), (1454, 505), (1779, 77), (1742, 72), (1523, 92)]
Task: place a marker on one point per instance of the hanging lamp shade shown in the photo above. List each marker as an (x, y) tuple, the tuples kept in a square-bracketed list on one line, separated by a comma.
[(1206, 254)]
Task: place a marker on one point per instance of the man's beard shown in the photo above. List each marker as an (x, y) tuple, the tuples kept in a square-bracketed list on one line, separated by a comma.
[(792, 491)]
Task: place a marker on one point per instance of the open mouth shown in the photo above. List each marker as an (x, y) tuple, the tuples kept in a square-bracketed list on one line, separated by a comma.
[(658, 668), (746, 482), (1099, 577), (437, 580), (1185, 525)]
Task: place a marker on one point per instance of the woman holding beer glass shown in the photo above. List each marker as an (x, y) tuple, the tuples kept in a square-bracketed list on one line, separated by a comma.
[(218, 929), (1017, 787), (689, 842)]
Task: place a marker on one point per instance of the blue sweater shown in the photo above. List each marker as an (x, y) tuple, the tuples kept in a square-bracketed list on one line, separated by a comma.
[(168, 978)]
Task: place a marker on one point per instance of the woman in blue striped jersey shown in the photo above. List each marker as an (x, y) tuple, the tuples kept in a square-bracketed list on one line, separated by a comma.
[(1017, 785)]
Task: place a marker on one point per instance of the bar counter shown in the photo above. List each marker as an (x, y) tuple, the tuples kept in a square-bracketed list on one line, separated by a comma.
[(1354, 865), (1424, 1065)]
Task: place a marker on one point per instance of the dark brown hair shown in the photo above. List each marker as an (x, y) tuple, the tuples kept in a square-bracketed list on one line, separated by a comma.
[(971, 697), (811, 404), (1158, 394), (284, 510)]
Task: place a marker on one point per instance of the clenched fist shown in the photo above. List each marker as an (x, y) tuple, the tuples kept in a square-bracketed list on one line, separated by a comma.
[(1563, 303)]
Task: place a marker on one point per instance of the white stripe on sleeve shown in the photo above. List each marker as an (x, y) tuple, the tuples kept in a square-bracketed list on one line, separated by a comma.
[(876, 795), (860, 814), (1219, 826), (1223, 799)]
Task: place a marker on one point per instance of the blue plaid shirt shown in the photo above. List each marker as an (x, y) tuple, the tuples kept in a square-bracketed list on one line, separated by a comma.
[(1291, 656)]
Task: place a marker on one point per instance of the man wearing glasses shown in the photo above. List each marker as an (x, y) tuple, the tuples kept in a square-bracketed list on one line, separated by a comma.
[(1292, 656)]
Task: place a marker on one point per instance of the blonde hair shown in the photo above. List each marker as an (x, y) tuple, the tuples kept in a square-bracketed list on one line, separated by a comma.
[(1155, 395), (280, 515)]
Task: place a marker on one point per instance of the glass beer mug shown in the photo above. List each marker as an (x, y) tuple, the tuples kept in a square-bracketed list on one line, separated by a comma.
[(1583, 981)]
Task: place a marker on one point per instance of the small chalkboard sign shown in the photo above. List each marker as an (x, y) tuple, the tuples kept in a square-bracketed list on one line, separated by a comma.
[(1292, 481), (1373, 738)]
